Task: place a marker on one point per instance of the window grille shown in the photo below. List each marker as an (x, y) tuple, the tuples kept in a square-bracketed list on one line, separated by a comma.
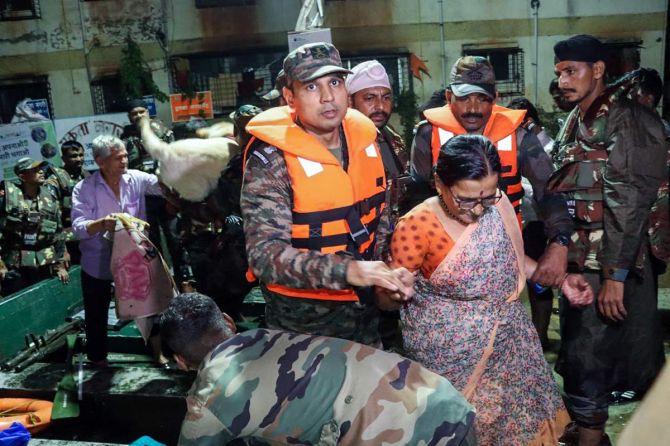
[(19, 10), (508, 67)]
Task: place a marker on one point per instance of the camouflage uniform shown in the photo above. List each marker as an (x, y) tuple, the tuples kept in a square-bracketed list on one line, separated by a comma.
[(212, 240), (158, 216), (138, 158), (63, 183), (609, 164), (659, 224), (31, 238), (287, 388), (267, 197)]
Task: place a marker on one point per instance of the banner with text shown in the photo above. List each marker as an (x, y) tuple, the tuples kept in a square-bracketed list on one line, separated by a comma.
[(183, 107), (84, 129), (34, 139)]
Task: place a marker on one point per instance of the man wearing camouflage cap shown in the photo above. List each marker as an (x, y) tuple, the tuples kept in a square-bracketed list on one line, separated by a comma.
[(610, 162), (31, 239), (274, 97), (472, 108), (313, 205)]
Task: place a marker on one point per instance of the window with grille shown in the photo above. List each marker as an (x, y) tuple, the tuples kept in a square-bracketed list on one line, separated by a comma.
[(234, 80), (222, 3), (396, 66), (508, 67), (107, 95), (13, 91), (19, 10)]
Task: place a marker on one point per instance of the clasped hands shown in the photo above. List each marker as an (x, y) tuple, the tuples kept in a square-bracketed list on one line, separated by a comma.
[(393, 287)]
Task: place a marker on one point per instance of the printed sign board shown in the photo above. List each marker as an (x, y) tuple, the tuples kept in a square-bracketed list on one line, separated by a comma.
[(34, 139), (84, 129), (297, 39), (40, 106), (151, 105), (183, 108)]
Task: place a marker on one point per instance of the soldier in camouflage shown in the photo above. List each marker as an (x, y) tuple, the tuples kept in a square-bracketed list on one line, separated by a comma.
[(471, 108), (31, 241), (370, 93), (313, 206), (212, 235), (63, 181), (279, 387), (610, 163), (159, 216)]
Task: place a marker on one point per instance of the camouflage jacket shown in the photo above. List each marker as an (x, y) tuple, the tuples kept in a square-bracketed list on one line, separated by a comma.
[(388, 137), (62, 182), (138, 158), (610, 164), (286, 388), (267, 203), (31, 234), (659, 218)]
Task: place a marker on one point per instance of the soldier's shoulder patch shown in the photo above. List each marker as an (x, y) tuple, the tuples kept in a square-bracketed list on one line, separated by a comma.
[(262, 152)]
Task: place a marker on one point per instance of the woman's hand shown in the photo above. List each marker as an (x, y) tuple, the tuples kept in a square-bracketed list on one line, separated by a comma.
[(577, 290), (390, 300)]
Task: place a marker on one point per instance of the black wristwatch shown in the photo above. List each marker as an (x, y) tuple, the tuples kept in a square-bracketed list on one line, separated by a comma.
[(561, 239)]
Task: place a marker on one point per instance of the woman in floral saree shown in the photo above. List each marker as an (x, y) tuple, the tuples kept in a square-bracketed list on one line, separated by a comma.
[(464, 320)]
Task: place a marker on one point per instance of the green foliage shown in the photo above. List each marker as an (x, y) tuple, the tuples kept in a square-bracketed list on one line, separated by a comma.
[(136, 78), (406, 109)]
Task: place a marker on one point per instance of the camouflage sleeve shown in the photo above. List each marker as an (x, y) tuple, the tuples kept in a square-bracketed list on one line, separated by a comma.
[(421, 157), (536, 166), (55, 188), (266, 204), (59, 242), (200, 427), (383, 235), (633, 173)]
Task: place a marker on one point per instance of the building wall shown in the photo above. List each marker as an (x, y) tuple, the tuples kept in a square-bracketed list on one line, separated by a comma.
[(75, 42)]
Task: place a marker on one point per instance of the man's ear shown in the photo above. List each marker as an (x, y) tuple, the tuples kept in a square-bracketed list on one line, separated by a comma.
[(447, 96), (599, 69), (229, 322), (288, 96)]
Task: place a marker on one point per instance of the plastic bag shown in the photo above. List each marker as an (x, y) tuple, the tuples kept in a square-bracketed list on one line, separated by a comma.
[(143, 285), (14, 435)]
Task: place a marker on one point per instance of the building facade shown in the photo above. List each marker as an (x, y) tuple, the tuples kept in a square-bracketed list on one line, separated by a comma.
[(69, 51)]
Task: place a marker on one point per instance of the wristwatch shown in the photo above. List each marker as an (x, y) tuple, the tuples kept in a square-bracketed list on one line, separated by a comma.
[(561, 239)]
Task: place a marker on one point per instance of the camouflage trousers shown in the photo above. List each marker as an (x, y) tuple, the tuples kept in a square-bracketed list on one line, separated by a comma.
[(599, 356), (354, 321)]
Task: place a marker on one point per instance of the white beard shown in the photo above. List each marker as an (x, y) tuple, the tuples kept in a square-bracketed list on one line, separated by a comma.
[(190, 166)]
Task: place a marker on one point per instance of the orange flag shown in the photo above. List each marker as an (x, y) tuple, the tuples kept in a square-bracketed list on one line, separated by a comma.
[(417, 66)]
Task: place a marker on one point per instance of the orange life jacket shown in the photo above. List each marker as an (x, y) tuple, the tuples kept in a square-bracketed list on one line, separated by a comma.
[(500, 129), (333, 210)]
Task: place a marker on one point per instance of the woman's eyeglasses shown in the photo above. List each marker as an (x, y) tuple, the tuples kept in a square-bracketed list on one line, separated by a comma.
[(467, 204)]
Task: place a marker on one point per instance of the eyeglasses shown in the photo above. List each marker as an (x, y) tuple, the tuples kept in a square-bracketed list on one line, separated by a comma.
[(467, 204)]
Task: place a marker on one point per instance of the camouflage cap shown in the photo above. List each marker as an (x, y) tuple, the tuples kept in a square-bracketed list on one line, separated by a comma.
[(280, 83), (473, 74), (27, 163), (311, 61), (244, 113)]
